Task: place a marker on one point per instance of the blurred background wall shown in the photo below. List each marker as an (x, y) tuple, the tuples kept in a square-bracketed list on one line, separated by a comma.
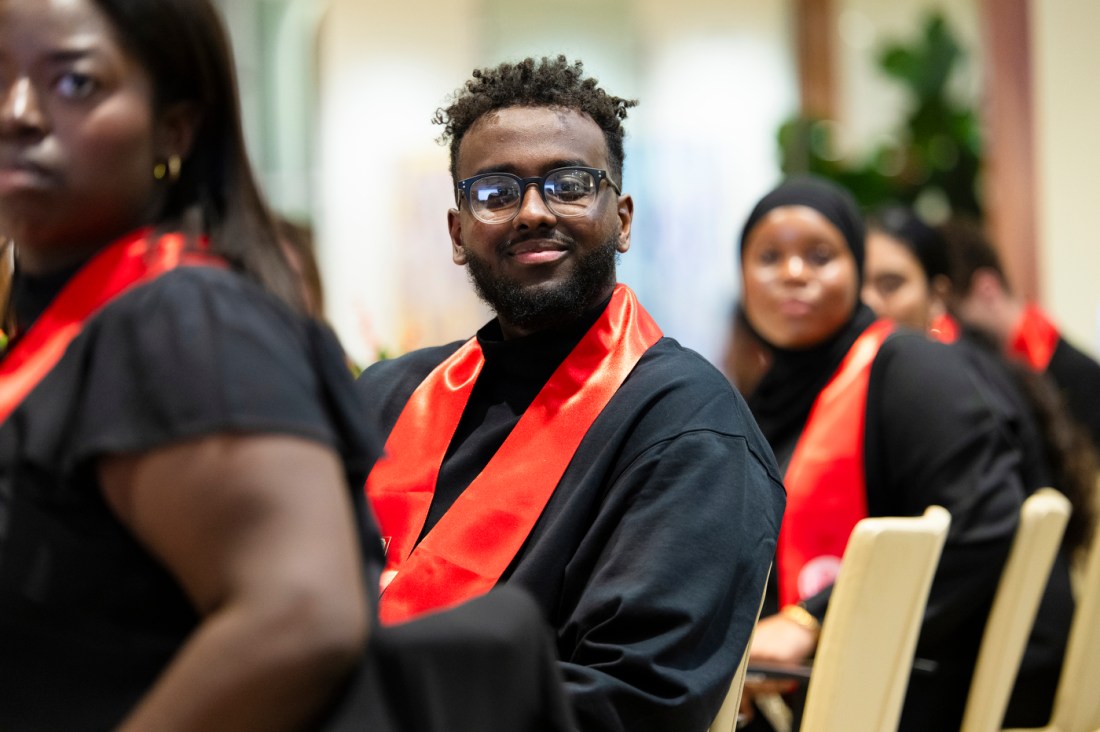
[(339, 96)]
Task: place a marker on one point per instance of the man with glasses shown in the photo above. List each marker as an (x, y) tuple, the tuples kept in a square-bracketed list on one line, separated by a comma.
[(569, 448)]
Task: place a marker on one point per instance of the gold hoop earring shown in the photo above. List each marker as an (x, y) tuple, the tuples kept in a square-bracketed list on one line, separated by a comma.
[(169, 169), (174, 165)]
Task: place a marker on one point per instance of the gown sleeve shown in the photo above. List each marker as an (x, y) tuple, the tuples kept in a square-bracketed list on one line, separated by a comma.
[(660, 624)]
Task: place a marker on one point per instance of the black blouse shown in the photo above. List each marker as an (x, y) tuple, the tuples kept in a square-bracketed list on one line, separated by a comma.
[(87, 617)]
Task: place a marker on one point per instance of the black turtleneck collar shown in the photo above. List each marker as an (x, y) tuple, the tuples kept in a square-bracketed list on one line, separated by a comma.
[(531, 359)]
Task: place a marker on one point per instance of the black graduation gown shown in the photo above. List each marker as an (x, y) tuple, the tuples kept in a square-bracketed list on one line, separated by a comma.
[(649, 559)]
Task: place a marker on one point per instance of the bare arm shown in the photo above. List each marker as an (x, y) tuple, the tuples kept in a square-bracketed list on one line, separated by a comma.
[(259, 532)]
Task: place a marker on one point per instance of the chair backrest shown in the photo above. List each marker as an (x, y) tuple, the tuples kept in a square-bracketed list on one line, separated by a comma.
[(1042, 522), (726, 721), (870, 630), (1077, 701)]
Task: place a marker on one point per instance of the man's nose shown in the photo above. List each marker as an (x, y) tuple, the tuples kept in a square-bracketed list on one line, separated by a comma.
[(533, 211)]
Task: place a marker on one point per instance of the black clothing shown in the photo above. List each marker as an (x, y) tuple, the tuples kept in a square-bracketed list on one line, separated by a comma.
[(1078, 377), (650, 557), (485, 665), (937, 433), (87, 617)]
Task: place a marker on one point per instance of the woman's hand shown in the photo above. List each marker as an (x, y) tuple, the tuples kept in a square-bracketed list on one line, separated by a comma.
[(778, 639), (259, 532)]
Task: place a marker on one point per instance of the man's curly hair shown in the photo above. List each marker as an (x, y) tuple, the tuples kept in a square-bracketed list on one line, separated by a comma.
[(549, 82)]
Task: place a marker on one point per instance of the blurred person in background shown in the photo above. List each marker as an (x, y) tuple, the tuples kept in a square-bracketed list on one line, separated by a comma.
[(869, 420), (983, 299), (905, 279)]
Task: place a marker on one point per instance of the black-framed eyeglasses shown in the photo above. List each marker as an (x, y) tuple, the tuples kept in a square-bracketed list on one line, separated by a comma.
[(496, 198)]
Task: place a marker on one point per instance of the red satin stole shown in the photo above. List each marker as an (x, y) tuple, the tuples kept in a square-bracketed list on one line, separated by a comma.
[(1035, 339), (475, 541), (133, 260), (944, 329), (826, 488)]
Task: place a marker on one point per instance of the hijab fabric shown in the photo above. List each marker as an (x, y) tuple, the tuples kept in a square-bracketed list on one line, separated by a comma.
[(830, 200)]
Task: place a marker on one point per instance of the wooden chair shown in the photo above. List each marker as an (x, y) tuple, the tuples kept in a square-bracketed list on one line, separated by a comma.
[(1077, 701), (1042, 523), (869, 634), (726, 721)]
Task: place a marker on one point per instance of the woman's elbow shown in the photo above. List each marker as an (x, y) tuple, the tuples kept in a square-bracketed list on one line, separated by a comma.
[(325, 631)]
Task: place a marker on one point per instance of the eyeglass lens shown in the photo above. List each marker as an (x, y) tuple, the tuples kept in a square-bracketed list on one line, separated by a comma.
[(567, 192)]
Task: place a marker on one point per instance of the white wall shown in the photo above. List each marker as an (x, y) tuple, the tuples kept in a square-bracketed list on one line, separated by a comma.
[(714, 80), (1065, 60)]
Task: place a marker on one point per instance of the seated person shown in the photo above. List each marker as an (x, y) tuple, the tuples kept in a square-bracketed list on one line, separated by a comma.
[(569, 448), (866, 420), (906, 280), (983, 299)]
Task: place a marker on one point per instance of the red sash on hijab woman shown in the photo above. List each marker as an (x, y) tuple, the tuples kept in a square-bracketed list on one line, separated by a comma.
[(133, 260), (826, 488), (475, 541)]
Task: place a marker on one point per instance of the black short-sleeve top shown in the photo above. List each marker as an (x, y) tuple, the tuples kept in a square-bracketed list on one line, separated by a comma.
[(87, 617)]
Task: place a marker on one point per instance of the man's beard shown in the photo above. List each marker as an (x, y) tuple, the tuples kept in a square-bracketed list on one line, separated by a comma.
[(535, 307)]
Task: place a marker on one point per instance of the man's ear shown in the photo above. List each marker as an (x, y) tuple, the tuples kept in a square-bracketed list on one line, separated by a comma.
[(177, 127), (454, 226), (626, 218)]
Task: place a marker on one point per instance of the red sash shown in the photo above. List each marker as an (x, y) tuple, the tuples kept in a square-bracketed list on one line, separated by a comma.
[(130, 261), (826, 489), (466, 552), (1035, 339), (944, 329)]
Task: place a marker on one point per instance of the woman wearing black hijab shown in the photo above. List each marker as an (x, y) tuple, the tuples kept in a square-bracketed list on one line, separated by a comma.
[(896, 423)]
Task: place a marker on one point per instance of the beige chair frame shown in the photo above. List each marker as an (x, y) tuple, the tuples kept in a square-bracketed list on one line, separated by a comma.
[(726, 721), (1043, 518), (869, 634), (1077, 701)]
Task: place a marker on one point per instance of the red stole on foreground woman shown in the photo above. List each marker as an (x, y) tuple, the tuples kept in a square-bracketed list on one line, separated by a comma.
[(826, 488), (128, 262), (475, 541)]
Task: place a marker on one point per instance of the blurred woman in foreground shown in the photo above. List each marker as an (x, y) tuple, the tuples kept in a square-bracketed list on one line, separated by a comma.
[(181, 520)]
